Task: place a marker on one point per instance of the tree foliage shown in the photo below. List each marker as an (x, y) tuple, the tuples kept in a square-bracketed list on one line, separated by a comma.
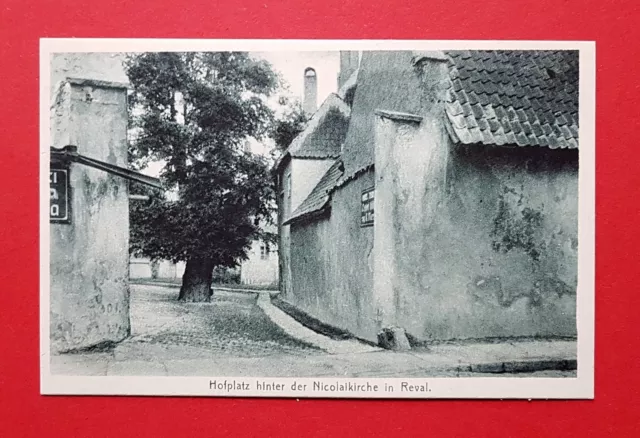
[(194, 111), (291, 123)]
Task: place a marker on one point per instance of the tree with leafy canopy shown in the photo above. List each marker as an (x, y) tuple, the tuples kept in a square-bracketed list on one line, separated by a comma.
[(290, 123), (194, 112)]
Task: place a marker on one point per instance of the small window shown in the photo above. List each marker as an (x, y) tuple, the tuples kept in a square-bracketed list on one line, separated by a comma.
[(288, 185), (366, 213), (264, 251)]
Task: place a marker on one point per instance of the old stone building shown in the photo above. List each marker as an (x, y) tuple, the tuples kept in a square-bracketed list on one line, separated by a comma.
[(447, 203), (89, 291), (308, 159), (261, 265), (89, 201)]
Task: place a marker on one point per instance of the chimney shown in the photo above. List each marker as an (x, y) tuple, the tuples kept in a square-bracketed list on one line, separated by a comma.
[(310, 99), (349, 63)]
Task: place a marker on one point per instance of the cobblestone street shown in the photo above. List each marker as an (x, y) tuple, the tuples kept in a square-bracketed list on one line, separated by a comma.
[(230, 325), (242, 334)]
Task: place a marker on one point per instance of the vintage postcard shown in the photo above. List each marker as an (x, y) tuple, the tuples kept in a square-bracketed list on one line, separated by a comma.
[(353, 219)]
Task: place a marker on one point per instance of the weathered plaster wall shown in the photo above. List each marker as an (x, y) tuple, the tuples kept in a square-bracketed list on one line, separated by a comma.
[(143, 267), (332, 264), (96, 66), (468, 242), (170, 270), (481, 241), (139, 268), (260, 269), (89, 257), (284, 242), (305, 175)]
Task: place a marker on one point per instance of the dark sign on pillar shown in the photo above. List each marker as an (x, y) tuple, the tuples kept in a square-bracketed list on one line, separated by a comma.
[(59, 205)]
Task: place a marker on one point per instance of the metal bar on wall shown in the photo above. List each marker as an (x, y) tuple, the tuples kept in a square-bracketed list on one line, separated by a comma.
[(70, 154)]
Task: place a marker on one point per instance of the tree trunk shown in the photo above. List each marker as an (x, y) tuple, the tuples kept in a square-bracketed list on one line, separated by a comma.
[(196, 281)]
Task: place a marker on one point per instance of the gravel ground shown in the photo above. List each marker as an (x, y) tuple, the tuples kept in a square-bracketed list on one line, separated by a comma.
[(232, 324), (232, 336)]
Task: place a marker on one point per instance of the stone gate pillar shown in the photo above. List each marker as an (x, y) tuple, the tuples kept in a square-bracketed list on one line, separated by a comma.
[(89, 254)]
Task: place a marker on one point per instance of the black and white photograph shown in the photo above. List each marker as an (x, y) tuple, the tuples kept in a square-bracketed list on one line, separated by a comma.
[(350, 219)]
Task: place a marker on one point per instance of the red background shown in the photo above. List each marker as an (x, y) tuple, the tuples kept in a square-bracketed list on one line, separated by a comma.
[(612, 24)]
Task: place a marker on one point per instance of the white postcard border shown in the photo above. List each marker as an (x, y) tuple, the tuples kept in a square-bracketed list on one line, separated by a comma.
[(580, 387)]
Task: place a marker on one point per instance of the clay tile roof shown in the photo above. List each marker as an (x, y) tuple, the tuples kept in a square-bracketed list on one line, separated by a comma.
[(325, 132), (528, 98), (319, 197)]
